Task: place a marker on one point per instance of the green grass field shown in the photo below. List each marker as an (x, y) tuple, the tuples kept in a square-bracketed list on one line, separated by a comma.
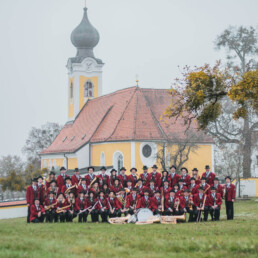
[(211, 239)]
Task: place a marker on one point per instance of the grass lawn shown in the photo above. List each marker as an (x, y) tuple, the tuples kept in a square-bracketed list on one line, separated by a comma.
[(238, 238)]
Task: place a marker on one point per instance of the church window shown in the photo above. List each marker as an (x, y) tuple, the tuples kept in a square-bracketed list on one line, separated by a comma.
[(118, 160), (102, 159), (71, 90), (88, 89), (146, 151)]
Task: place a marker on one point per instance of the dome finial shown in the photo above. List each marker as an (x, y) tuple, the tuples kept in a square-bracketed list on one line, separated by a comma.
[(85, 3)]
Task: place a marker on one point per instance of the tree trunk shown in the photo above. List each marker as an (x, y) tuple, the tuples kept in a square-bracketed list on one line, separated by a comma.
[(246, 165)]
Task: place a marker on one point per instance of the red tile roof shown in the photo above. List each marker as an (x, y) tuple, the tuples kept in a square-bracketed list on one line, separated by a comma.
[(129, 114)]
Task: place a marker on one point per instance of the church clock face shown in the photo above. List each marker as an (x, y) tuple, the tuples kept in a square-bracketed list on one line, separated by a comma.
[(89, 65)]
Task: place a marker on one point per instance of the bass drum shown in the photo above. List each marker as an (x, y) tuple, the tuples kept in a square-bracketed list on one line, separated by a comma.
[(144, 214), (132, 219)]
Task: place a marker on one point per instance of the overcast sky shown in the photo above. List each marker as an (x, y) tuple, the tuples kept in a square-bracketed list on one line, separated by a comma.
[(146, 37)]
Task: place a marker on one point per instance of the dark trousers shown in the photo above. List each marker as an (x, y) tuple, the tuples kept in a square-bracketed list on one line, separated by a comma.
[(28, 215), (70, 216), (157, 212), (229, 210), (198, 214), (39, 219), (51, 216), (215, 213), (61, 216), (103, 215), (130, 211), (113, 215), (94, 215), (191, 215), (82, 217)]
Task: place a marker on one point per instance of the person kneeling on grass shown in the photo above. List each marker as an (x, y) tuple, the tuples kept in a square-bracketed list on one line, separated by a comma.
[(71, 213), (215, 203), (62, 207), (37, 212), (50, 207), (113, 205), (81, 206)]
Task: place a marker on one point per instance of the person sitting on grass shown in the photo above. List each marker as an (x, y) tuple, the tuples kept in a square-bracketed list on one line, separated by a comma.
[(37, 212)]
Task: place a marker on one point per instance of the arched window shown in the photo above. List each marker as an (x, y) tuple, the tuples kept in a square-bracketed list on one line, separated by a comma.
[(71, 90), (102, 159), (118, 160), (88, 89)]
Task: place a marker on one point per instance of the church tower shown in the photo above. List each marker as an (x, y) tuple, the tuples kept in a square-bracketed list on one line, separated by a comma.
[(84, 70)]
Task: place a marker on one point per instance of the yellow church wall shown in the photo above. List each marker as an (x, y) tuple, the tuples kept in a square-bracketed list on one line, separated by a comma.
[(71, 100), (109, 149), (72, 163), (138, 162), (83, 79)]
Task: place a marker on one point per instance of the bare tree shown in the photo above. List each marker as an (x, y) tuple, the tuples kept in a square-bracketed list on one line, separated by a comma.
[(10, 163)]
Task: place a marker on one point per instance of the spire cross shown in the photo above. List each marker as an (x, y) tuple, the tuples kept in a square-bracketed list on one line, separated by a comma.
[(137, 79), (85, 3)]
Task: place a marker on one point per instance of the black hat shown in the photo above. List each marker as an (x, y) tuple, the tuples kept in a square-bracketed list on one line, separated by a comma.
[(146, 191), (71, 192), (35, 179), (186, 191), (117, 179), (203, 178), (201, 188), (50, 192), (158, 191), (82, 192), (53, 181), (176, 185), (152, 181), (166, 181), (173, 167), (144, 167), (185, 169), (129, 181), (207, 167), (40, 177), (213, 188), (133, 169), (112, 191), (105, 184), (101, 191), (192, 178), (172, 191), (228, 177), (91, 168), (154, 166), (91, 192), (60, 194), (52, 173), (164, 171), (36, 199), (103, 168), (123, 168), (68, 178), (139, 180), (195, 169), (83, 179), (181, 180), (76, 170), (134, 189), (62, 168), (112, 170), (216, 179)]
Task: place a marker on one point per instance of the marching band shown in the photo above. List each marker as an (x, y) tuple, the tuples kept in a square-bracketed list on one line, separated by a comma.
[(63, 198)]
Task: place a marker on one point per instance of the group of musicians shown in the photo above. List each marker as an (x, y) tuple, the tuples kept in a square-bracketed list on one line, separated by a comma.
[(63, 198)]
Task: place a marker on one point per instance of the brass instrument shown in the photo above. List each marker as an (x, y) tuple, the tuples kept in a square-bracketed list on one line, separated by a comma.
[(203, 205), (95, 178), (68, 189), (127, 190), (207, 189), (119, 220), (190, 205), (50, 206), (63, 208), (162, 201), (177, 202)]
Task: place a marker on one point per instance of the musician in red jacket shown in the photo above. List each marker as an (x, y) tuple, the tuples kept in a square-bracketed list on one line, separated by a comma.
[(145, 201), (140, 188), (71, 212), (218, 187), (156, 205), (169, 203), (121, 198), (102, 206), (113, 205), (196, 176), (61, 207), (123, 177), (90, 176), (173, 176), (50, 207), (185, 176), (156, 176), (53, 188), (176, 190), (230, 198), (68, 187), (133, 176), (42, 190), (132, 200), (182, 187), (164, 178), (81, 206), (92, 203), (83, 187), (165, 189), (145, 176), (103, 177), (152, 188), (76, 178), (205, 186), (117, 186), (51, 177), (193, 187), (32, 193), (188, 205), (201, 203), (215, 204), (37, 212), (61, 178), (209, 175)]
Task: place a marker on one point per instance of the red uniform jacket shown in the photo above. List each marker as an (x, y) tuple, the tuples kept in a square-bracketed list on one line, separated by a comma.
[(140, 191), (142, 203), (219, 189), (80, 204), (197, 179), (34, 211), (47, 202), (186, 179), (173, 179), (145, 178), (166, 191), (152, 190), (105, 179), (162, 179), (207, 188), (95, 191), (42, 193), (116, 188), (194, 189), (133, 179), (210, 178), (89, 179), (75, 180), (169, 202), (64, 188), (217, 200), (91, 202), (31, 194), (230, 192), (114, 203), (182, 189), (130, 202), (123, 179), (64, 203), (112, 180), (60, 181), (156, 178), (184, 202), (156, 203), (102, 204), (83, 188), (199, 202)]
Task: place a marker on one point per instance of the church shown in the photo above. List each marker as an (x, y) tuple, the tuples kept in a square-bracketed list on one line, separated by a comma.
[(123, 128)]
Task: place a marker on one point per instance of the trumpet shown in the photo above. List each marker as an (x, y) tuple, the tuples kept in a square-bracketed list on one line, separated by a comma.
[(177, 202), (68, 189), (63, 208), (95, 178), (50, 206)]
